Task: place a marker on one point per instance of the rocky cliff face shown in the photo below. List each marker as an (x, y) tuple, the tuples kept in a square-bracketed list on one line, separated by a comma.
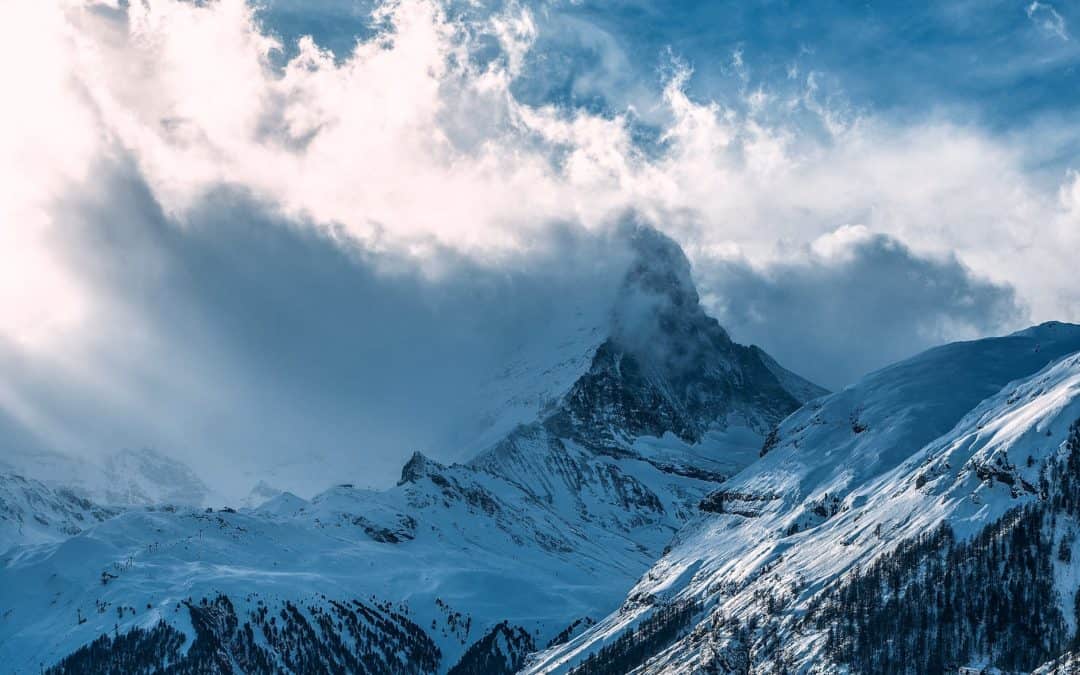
[(32, 512), (668, 367)]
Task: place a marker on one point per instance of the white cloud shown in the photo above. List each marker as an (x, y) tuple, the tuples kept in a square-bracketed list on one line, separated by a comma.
[(1048, 19), (409, 144), (47, 140), (421, 152)]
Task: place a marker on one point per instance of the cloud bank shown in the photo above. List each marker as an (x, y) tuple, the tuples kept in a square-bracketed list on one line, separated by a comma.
[(241, 248), (853, 301)]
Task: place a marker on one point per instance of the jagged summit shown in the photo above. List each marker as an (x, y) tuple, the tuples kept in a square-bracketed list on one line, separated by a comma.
[(657, 308), (418, 466), (668, 367)]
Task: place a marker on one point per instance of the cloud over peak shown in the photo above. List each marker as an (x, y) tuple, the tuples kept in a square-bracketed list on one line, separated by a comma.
[(179, 181)]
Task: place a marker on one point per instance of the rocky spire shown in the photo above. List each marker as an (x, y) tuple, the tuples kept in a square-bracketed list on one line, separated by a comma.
[(668, 366)]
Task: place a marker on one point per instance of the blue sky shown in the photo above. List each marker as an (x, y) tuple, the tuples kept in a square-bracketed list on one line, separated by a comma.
[(1002, 61), (1002, 72), (1003, 65), (331, 218)]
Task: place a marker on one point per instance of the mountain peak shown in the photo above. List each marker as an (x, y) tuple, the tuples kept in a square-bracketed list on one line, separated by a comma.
[(660, 268), (418, 466), (668, 367), (658, 313), (1049, 331)]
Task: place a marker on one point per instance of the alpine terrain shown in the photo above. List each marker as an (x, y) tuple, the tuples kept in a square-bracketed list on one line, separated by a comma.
[(453, 337), (678, 503), (923, 520), (462, 568)]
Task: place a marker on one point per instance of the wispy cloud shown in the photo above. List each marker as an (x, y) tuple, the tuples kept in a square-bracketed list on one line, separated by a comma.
[(1048, 19)]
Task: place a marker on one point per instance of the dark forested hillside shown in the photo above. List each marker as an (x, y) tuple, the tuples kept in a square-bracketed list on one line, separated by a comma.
[(637, 644), (338, 637), (501, 652), (935, 603)]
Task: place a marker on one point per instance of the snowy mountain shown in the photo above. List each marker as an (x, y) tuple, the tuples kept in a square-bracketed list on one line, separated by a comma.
[(147, 477), (921, 520), (124, 478), (670, 368), (33, 513), (461, 568)]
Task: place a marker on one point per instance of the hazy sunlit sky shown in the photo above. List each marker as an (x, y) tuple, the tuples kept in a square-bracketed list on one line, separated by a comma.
[(252, 234)]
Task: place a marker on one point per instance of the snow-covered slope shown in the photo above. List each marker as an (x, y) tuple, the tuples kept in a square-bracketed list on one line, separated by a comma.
[(34, 513), (124, 478), (886, 526), (148, 477), (47, 497), (460, 568), (535, 375)]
